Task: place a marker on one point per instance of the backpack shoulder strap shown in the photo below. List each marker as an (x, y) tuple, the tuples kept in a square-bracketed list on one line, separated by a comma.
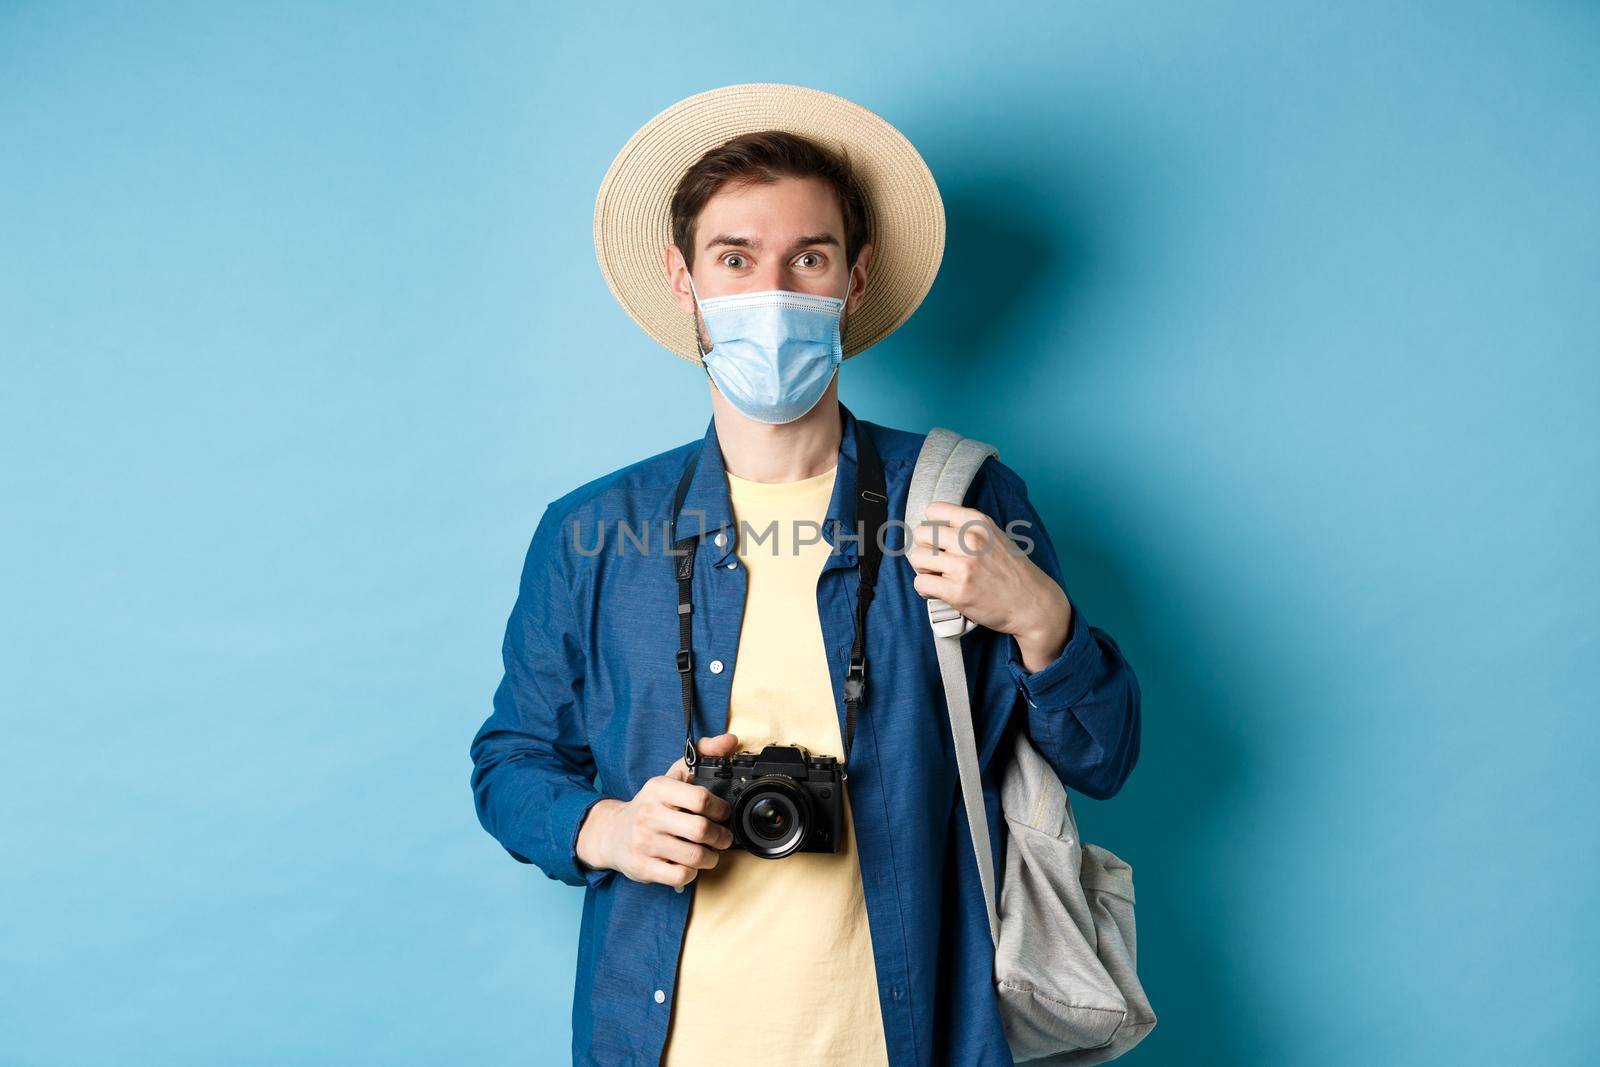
[(945, 468)]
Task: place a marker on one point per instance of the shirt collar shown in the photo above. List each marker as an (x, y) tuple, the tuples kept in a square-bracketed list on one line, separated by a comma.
[(708, 510)]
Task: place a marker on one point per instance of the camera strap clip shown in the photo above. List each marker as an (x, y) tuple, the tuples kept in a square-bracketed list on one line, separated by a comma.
[(855, 681)]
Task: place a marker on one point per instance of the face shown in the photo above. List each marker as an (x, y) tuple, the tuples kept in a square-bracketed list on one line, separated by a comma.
[(787, 234)]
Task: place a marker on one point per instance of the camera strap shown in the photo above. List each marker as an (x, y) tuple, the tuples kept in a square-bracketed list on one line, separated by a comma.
[(872, 513)]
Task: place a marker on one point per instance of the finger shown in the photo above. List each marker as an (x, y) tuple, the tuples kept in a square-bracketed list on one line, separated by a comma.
[(684, 853), (952, 567), (695, 799), (964, 530), (722, 746), (970, 538), (695, 828), (933, 533), (661, 872), (927, 560), (935, 587), (954, 514)]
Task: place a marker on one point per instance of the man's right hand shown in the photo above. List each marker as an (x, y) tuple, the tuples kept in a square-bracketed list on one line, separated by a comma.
[(668, 833)]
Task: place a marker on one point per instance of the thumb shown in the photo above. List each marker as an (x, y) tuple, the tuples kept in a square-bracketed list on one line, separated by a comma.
[(721, 745)]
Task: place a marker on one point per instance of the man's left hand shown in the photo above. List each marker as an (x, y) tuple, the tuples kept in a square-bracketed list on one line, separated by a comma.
[(978, 570)]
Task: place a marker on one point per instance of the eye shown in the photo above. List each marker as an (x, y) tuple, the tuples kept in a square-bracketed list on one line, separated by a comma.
[(734, 260), (814, 257)]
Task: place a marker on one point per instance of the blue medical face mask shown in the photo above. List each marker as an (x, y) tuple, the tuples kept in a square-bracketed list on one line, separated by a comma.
[(773, 353)]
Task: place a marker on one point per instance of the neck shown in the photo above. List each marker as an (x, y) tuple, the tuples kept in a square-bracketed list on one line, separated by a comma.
[(761, 452)]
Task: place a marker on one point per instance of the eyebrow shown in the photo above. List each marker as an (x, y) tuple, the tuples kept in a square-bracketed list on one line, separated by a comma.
[(739, 241)]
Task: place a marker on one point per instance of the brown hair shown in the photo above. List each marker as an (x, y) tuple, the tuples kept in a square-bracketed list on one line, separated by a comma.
[(761, 158)]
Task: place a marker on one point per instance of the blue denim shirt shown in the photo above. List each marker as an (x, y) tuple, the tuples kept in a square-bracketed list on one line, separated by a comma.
[(590, 707)]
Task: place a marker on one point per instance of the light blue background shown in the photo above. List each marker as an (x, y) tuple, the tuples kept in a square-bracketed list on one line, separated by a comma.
[(1287, 313)]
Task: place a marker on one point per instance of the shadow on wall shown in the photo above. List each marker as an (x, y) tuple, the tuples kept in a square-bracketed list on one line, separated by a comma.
[(1011, 279)]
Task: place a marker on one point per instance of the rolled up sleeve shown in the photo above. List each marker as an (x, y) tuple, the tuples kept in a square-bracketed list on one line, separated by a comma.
[(1083, 708), (532, 770)]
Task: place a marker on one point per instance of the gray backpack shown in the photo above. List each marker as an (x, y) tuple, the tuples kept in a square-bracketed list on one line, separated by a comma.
[(1063, 928)]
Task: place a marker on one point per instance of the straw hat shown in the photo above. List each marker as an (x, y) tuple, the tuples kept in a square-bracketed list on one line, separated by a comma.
[(632, 213)]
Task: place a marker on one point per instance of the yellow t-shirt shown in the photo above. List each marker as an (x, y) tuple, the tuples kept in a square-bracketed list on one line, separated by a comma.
[(780, 948)]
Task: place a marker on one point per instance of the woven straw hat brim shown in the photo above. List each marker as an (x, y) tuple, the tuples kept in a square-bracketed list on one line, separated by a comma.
[(632, 223)]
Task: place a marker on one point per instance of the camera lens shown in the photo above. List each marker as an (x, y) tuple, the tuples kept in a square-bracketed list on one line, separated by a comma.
[(772, 817)]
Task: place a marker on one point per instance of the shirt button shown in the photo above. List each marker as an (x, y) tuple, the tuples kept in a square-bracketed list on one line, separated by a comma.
[(721, 539), (716, 666), (732, 564), (661, 997), (677, 889)]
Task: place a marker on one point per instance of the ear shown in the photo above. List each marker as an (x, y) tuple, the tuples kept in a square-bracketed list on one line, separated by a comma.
[(858, 278), (678, 278)]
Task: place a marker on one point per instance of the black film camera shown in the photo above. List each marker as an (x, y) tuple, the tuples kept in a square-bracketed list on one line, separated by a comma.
[(784, 799)]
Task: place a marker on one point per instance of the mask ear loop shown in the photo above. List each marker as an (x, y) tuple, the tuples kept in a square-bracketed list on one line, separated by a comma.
[(699, 318), (849, 282)]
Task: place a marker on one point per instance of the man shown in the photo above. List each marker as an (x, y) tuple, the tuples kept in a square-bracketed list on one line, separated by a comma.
[(806, 231)]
